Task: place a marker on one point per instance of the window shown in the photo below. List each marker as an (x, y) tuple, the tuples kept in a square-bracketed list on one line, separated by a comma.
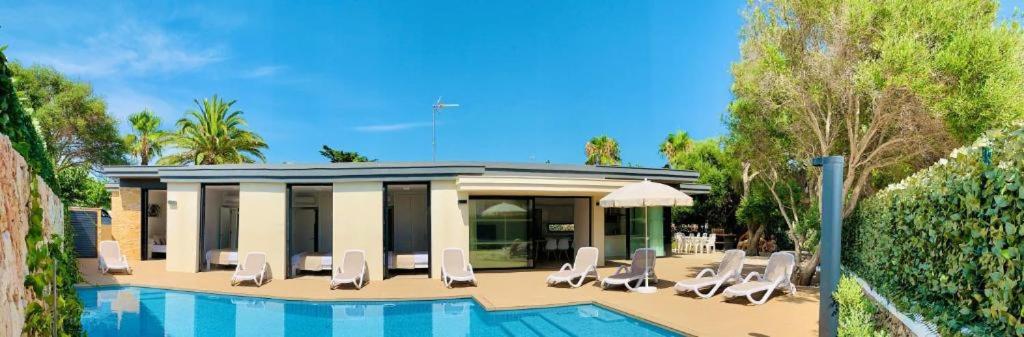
[(561, 228)]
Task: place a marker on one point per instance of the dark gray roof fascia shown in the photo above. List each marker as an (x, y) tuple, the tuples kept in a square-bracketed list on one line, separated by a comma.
[(389, 171)]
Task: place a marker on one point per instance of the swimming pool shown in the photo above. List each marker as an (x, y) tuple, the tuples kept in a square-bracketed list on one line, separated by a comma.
[(137, 311)]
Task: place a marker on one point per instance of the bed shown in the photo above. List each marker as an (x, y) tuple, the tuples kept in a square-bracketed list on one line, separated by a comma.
[(156, 245), (413, 260), (311, 261), (221, 257)]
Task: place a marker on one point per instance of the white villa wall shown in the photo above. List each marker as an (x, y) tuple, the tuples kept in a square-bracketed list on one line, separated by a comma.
[(261, 225), (449, 221), (359, 222), (182, 227)]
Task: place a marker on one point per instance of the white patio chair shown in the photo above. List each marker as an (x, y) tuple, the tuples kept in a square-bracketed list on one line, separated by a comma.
[(352, 269), (776, 275), (110, 258), (254, 269), (455, 267), (584, 266), (728, 272), (564, 247)]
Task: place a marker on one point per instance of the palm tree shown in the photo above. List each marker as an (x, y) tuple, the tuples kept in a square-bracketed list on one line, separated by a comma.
[(215, 134), (603, 150), (675, 144), (147, 140)]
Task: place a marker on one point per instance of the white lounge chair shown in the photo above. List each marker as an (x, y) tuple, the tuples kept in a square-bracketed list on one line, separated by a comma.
[(253, 269), (111, 258), (776, 275), (584, 266), (352, 269), (641, 267), (729, 271), (455, 267)]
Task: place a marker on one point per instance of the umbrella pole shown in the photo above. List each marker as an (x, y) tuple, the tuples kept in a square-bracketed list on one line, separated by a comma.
[(647, 244)]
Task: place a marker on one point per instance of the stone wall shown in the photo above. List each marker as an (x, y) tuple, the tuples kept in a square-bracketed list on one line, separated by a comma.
[(15, 198), (126, 220)]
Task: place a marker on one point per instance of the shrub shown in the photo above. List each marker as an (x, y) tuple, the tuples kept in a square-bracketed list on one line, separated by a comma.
[(946, 242), (856, 313), (18, 125)]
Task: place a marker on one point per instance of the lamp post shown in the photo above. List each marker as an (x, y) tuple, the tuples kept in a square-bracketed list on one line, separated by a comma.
[(831, 228), (437, 109)]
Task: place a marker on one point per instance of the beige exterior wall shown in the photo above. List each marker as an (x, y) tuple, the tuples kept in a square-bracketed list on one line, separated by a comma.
[(449, 221), (126, 221), (359, 223), (262, 219), (182, 227), (597, 227)]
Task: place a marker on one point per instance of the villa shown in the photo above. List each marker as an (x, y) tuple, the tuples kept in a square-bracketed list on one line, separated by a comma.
[(507, 216)]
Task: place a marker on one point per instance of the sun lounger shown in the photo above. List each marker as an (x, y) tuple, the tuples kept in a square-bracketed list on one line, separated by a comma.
[(728, 272), (253, 269), (352, 269), (776, 275), (455, 267), (637, 271), (111, 258), (584, 266)]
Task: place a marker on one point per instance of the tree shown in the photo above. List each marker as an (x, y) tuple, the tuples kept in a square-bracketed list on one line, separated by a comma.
[(881, 83), (81, 189), (339, 156), (602, 150), (214, 134), (72, 120), (676, 143), (147, 140), (717, 169)]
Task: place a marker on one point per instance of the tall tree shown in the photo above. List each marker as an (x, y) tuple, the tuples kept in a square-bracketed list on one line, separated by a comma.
[(72, 120), (146, 140), (676, 143), (882, 83), (602, 150), (215, 134), (339, 156)]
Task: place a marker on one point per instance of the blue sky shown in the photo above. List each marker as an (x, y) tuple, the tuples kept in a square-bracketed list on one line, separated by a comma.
[(536, 79)]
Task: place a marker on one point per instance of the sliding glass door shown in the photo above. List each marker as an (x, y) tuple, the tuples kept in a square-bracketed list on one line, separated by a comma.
[(499, 232), (625, 231)]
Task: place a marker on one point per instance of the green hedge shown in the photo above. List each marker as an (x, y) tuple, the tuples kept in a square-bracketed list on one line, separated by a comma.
[(947, 241)]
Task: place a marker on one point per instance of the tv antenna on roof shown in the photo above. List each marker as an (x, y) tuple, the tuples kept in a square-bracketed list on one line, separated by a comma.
[(438, 106)]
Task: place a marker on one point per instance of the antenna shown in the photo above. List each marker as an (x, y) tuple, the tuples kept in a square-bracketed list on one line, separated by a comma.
[(438, 106)]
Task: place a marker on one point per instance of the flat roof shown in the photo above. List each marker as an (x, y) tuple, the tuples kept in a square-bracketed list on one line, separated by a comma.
[(394, 171)]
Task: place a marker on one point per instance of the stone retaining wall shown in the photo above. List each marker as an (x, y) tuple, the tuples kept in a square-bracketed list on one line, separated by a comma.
[(15, 198)]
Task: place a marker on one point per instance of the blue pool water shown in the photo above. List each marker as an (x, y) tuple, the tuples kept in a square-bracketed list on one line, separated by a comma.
[(135, 311)]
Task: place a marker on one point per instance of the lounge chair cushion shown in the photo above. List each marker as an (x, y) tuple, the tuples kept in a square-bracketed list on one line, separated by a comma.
[(701, 282), (566, 274), (749, 287)]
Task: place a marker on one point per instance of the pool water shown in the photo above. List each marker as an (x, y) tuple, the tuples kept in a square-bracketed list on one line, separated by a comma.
[(136, 311)]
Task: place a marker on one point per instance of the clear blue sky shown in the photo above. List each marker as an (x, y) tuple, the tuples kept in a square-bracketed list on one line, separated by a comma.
[(536, 79)]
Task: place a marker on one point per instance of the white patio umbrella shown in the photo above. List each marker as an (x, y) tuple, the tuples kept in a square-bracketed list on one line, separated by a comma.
[(646, 194)]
